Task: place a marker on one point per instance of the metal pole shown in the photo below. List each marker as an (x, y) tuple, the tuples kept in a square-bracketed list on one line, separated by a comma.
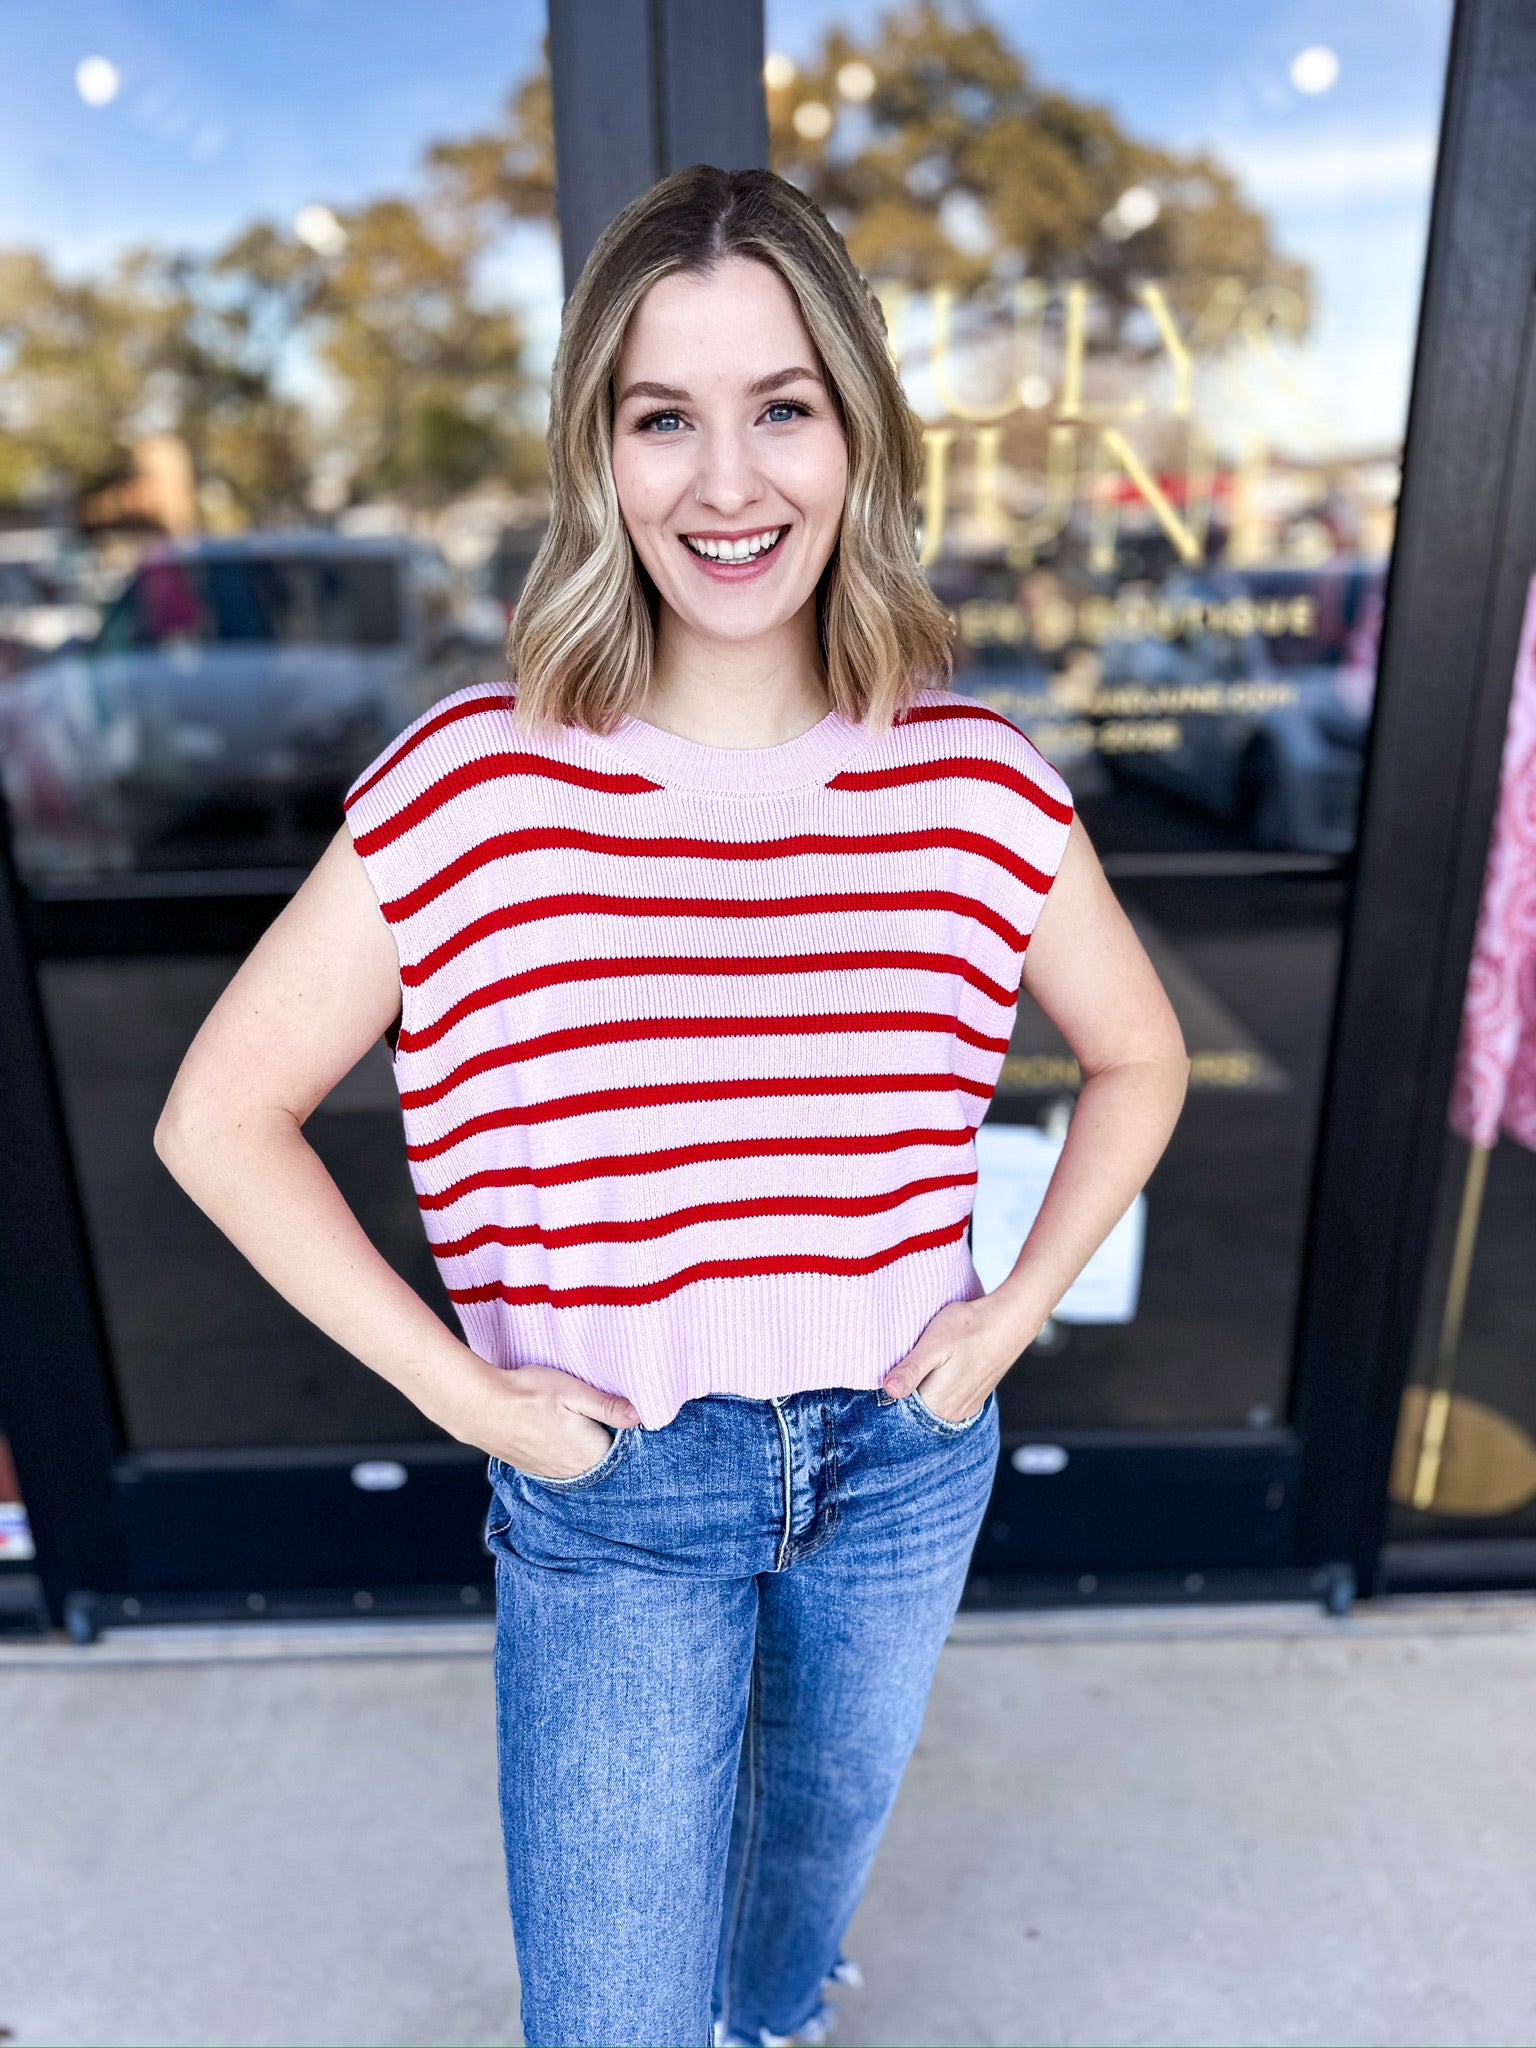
[(644, 87)]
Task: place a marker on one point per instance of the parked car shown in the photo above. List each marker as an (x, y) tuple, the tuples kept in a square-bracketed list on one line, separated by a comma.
[(250, 676), (38, 615), (1285, 775)]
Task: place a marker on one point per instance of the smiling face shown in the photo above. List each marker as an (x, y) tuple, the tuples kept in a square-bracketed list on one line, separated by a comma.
[(729, 460)]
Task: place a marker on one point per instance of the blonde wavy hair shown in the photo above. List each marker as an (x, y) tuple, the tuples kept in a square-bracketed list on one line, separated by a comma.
[(582, 638)]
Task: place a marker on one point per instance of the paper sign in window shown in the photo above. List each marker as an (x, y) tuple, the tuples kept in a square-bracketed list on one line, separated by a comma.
[(1014, 1164)]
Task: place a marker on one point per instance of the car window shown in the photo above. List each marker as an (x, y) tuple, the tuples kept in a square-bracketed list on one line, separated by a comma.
[(235, 600), (160, 606)]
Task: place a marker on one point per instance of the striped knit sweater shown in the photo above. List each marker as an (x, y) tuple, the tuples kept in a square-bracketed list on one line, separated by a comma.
[(694, 1040)]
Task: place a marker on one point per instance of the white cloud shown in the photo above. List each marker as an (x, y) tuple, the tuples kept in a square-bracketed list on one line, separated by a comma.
[(1331, 170)]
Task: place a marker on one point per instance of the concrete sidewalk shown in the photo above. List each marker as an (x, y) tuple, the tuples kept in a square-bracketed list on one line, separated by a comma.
[(1198, 1826)]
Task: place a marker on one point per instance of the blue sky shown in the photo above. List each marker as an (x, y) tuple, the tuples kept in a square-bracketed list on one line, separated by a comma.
[(229, 109), (1343, 176)]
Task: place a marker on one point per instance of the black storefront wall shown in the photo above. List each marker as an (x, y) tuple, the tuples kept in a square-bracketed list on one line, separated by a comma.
[(1462, 592), (640, 89), (1466, 547)]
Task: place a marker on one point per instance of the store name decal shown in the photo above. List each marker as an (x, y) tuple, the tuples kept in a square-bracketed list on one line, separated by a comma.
[(1087, 452)]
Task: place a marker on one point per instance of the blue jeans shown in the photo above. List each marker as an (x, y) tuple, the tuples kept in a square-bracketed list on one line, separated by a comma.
[(713, 1652)]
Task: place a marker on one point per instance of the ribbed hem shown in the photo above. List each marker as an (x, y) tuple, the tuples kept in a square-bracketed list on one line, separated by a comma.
[(808, 759), (771, 1334)]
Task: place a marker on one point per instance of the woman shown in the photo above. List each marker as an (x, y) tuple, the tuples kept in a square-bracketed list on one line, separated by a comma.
[(703, 937)]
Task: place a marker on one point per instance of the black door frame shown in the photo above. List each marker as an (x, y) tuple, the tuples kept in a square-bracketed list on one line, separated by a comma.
[(642, 87), (1466, 555)]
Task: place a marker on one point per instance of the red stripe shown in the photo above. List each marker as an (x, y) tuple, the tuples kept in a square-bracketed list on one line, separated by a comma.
[(494, 768), (538, 838), (961, 707), (622, 1030), (910, 772), (662, 1159), (637, 1230), (505, 699), (475, 708), (587, 903), (653, 1094), (706, 1269), (513, 985)]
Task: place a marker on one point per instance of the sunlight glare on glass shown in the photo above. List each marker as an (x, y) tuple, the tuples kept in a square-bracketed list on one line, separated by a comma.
[(1314, 69), (1136, 208), (813, 120), (97, 81), (319, 229), (855, 79), (778, 71), (1035, 391)]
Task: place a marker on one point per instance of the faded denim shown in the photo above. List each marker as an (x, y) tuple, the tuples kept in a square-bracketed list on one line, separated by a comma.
[(713, 1652)]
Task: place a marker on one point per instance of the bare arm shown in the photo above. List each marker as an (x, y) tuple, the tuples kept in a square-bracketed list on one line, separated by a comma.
[(320, 987), (1090, 974)]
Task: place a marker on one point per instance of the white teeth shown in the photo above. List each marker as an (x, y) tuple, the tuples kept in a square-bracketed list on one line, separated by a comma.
[(736, 550)]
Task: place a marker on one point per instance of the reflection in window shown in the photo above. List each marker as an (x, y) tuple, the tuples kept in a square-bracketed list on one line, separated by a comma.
[(311, 424), (275, 326), (1155, 301), (229, 599), (1151, 279)]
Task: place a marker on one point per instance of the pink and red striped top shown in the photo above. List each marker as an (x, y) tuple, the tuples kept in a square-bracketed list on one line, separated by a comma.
[(694, 1040)]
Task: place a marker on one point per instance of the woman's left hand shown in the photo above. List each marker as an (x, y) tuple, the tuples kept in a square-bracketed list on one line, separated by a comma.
[(961, 1355)]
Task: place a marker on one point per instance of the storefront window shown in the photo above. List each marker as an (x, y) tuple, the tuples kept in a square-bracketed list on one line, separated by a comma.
[(279, 291), (278, 295), (1151, 278)]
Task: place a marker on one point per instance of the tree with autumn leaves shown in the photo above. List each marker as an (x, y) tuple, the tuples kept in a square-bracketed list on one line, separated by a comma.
[(431, 392), (943, 160), (928, 140)]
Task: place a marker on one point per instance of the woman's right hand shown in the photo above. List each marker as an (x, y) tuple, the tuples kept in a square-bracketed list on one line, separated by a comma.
[(545, 1422), (319, 989)]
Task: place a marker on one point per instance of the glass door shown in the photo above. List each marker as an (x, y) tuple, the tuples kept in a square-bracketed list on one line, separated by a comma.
[(278, 293), (1152, 279)]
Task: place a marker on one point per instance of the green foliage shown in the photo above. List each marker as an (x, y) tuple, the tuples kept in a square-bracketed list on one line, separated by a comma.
[(960, 169), (431, 378), (510, 169), (78, 359), (414, 386)]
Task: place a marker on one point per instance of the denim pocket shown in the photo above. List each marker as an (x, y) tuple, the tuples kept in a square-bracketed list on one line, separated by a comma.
[(940, 1425), (612, 1458), (498, 1515)]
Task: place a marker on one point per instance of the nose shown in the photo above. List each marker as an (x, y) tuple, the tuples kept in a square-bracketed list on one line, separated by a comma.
[(726, 478)]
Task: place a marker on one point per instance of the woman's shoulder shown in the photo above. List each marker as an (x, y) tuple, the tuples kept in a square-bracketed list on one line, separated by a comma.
[(945, 725), (460, 728)]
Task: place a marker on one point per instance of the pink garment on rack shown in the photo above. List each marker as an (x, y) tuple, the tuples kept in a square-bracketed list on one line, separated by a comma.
[(1495, 1085)]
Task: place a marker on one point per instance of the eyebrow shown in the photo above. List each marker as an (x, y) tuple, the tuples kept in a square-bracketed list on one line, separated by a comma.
[(772, 382)]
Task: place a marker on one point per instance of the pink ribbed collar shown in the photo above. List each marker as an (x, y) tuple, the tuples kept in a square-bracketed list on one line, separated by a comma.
[(811, 757)]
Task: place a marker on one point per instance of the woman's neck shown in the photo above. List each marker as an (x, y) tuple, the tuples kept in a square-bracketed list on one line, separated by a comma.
[(726, 693)]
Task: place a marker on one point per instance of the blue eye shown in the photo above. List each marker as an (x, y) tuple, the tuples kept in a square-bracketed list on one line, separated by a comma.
[(670, 422)]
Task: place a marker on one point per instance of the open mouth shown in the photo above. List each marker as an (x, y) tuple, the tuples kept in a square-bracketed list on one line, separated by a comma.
[(750, 547)]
